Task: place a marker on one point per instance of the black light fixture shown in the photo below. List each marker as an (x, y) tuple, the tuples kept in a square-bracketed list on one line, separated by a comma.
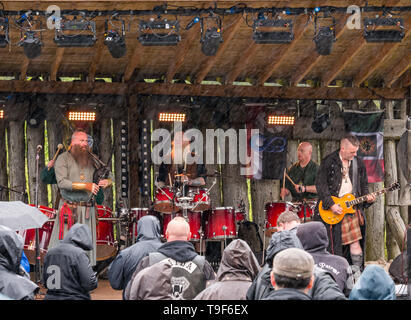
[(31, 44), (321, 121), (115, 41), (75, 33), (211, 37), (160, 32), (272, 31), (324, 36), (36, 117), (383, 29), (4, 32)]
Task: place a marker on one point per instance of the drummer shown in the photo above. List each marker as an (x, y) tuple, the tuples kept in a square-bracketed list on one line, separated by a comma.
[(179, 173), (303, 174)]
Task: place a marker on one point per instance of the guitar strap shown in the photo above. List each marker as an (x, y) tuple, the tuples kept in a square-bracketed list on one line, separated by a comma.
[(355, 190)]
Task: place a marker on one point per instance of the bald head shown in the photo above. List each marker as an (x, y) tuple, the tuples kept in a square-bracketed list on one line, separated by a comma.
[(304, 152), (178, 229)]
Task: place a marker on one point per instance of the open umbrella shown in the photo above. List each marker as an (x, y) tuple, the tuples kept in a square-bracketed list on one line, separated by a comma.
[(20, 216)]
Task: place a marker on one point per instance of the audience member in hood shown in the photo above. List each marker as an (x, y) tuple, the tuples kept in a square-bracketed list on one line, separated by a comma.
[(148, 240), (373, 284), (314, 238), (14, 282), (67, 273), (237, 270), (183, 276)]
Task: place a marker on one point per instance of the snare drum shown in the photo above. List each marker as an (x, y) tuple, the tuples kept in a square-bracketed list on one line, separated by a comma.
[(309, 207), (29, 236), (194, 221), (104, 234), (201, 200), (164, 200), (220, 223), (273, 211)]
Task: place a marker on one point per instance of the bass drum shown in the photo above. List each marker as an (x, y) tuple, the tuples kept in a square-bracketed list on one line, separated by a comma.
[(220, 224), (194, 220), (106, 248)]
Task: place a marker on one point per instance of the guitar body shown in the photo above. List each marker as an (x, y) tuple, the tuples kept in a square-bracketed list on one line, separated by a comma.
[(330, 217)]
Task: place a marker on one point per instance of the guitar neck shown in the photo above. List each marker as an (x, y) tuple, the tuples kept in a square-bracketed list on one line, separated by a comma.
[(364, 198)]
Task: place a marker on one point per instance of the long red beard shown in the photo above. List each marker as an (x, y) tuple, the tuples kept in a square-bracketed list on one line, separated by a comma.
[(81, 156)]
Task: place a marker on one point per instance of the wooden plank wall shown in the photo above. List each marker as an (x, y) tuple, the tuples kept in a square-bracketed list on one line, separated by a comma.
[(231, 187)]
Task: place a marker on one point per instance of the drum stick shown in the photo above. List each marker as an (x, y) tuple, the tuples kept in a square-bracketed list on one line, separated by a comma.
[(59, 147), (169, 178), (290, 179), (282, 198)]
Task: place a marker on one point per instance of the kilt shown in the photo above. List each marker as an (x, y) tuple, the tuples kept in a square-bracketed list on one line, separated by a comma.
[(350, 228)]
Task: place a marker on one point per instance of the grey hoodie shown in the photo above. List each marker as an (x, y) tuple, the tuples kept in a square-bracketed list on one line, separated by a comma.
[(67, 273), (148, 240), (12, 283)]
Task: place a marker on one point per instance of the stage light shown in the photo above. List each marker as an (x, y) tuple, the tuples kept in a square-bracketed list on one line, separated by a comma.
[(4, 32), (269, 31), (281, 120), (31, 44), (324, 36), (211, 37), (150, 36), (82, 116), (71, 33), (171, 117), (192, 23), (124, 162), (115, 41), (320, 123), (391, 29), (1, 114)]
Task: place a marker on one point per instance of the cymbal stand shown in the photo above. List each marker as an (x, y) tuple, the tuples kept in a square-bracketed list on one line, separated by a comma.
[(264, 229)]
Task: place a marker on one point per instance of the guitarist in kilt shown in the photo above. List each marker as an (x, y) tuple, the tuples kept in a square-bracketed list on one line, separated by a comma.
[(342, 172)]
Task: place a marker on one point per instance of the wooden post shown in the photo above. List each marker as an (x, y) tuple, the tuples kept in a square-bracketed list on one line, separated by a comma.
[(390, 166), (404, 197), (55, 137), (106, 155), (17, 160), (117, 158), (35, 137), (327, 147), (375, 227), (397, 226), (4, 194)]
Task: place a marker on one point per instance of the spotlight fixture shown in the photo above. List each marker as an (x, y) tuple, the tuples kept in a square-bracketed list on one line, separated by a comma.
[(36, 117), (1, 114), (320, 122), (211, 37), (272, 31), (324, 36), (71, 33), (145, 157), (31, 44), (4, 32), (115, 41), (124, 159), (171, 117), (81, 116), (149, 34), (383, 29), (281, 120)]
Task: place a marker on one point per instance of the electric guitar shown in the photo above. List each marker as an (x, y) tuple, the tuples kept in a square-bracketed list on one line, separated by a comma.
[(347, 202)]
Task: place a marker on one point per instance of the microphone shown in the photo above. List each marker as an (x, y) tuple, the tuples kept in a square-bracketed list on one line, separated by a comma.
[(39, 147)]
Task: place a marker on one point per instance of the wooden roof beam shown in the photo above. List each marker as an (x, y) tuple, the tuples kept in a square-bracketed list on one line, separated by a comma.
[(311, 61), (278, 57), (386, 51), (241, 63), (406, 80), (133, 61), (56, 63), (227, 36), (398, 70), (98, 52), (182, 51)]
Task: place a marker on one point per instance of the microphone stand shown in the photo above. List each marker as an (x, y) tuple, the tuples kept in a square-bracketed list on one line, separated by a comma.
[(37, 264)]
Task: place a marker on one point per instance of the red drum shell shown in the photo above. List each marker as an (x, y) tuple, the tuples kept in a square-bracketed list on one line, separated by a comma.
[(104, 234), (201, 200), (273, 211), (194, 220), (162, 202)]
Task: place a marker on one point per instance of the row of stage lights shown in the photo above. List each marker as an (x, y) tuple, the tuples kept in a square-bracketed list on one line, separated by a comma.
[(85, 116), (162, 32)]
